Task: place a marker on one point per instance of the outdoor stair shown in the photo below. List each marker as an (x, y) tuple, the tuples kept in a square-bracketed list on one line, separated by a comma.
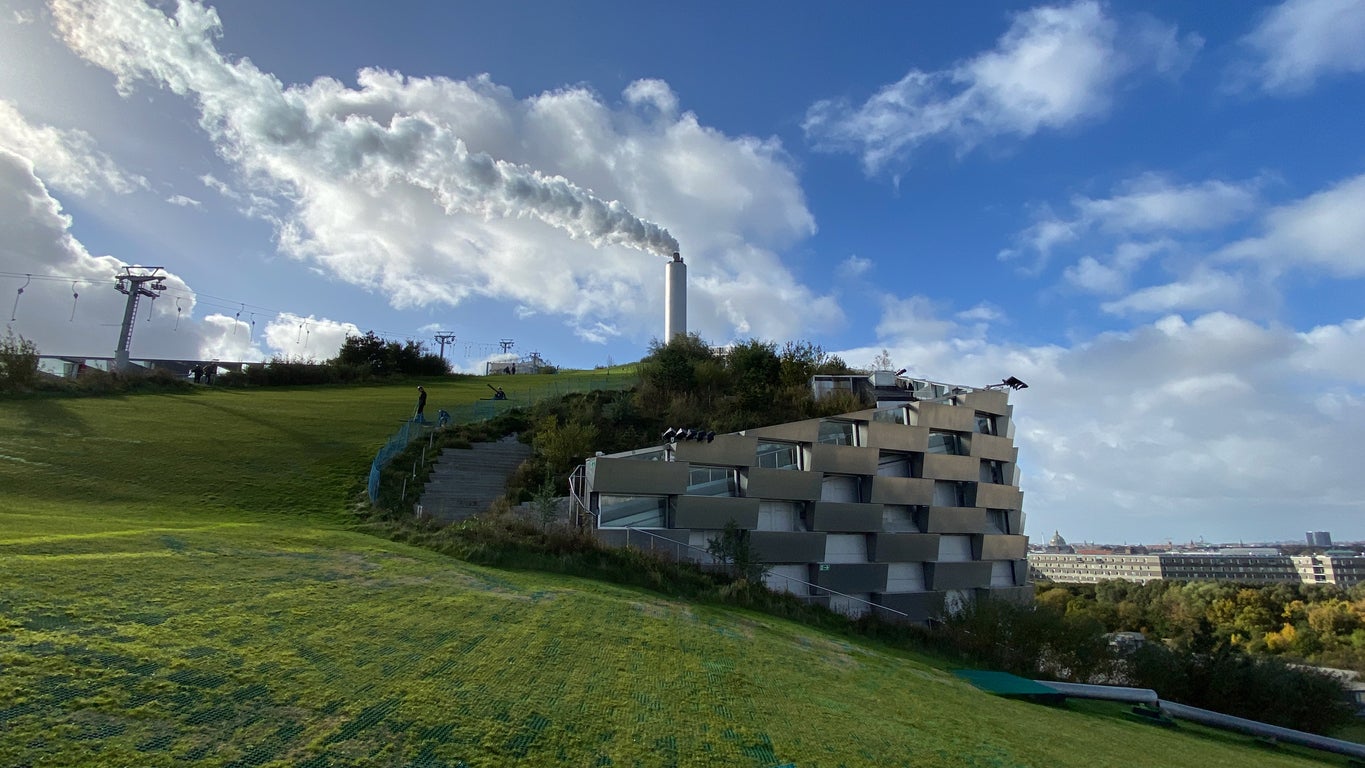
[(465, 481)]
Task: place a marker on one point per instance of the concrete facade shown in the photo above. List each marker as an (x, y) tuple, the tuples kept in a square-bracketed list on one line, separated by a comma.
[(912, 507)]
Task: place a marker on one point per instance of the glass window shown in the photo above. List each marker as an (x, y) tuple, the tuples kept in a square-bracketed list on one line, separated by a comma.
[(950, 494), (841, 488), (899, 518), (837, 433), (779, 456), (632, 511), (986, 424), (946, 442), (893, 464), (992, 472), (891, 415), (780, 516), (712, 481), (658, 454)]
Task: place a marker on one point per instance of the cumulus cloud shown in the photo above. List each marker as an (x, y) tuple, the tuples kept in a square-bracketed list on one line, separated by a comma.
[(1322, 232), (1176, 428), (432, 190), (1300, 41), (1202, 290), (70, 307), (1147, 205), (66, 159), (1056, 66)]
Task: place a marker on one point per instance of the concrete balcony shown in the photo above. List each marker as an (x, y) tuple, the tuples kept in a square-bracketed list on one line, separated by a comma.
[(943, 466), (993, 447), (725, 451), (903, 547), (852, 578), (992, 496), (1001, 547), (968, 575), (897, 437), (787, 546)]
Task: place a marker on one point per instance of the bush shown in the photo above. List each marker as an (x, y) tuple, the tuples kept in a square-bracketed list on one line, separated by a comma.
[(18, 363), (1229, 681)]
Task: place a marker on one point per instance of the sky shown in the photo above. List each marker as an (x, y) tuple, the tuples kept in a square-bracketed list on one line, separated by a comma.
[(1152, 213)]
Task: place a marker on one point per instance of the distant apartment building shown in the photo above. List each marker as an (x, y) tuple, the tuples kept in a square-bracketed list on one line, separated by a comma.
[(1318, 538), (1344, 569), (909, 509)]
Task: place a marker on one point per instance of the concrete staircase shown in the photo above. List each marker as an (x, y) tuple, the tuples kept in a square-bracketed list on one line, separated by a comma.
[(465, 481)]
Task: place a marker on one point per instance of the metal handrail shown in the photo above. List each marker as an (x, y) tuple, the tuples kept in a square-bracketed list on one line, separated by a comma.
[(673, 543), (578, 479)]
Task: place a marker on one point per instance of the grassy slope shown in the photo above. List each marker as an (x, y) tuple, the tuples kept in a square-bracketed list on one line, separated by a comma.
[(177, 584)]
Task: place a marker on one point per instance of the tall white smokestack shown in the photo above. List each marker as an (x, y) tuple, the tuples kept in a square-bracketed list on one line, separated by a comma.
[(675, 298)]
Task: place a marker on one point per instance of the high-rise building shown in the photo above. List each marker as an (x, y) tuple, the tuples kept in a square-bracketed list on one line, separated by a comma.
[(1319, 538), (909, 509)]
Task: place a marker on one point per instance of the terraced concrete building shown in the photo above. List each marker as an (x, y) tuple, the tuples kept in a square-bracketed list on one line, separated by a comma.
[(908, 509)]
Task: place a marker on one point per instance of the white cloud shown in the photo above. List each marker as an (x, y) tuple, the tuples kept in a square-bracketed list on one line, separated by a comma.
[(1056, 66), (66, 159), (854, 266), (1149, 205), (1325, 231), (38, 243), (1203, 289), (184, 202), (1153, 203), (432, 191), (1178, 428), (1299, 41)]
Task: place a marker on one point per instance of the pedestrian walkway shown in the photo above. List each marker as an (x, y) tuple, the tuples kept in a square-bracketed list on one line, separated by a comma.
[(465, 481)]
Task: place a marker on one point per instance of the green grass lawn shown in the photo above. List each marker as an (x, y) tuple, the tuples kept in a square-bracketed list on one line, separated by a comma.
[(179, 584)]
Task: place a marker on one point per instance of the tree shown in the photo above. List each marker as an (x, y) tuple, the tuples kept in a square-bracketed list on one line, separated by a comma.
[(18, 362), (733, 547)]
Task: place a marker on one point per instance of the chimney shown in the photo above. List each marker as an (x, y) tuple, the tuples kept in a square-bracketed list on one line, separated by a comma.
[(675, 298)]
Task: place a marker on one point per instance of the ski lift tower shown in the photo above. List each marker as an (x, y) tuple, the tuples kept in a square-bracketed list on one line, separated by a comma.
[(134, 282)]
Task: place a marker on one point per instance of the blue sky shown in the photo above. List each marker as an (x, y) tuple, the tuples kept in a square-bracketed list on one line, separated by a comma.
[(1153, 213)]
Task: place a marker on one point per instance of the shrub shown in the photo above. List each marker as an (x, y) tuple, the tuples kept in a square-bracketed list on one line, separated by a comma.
[(18, 363), (1229, 681)]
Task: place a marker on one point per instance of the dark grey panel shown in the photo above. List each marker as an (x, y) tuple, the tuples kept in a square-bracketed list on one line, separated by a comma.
[(957, 520), (966, 575), (628, 477), (846, 517), (993, 447), (943, 466), (1000, 547), (782, 484), (1016, 521), (851, 578), (843, 459), (725, 450), (797, 431), (994, 496), (713, 512), (1021, 572), (914, 491), (787, 546), (987, 401), (897, 437), (903, 547), (942, 416)]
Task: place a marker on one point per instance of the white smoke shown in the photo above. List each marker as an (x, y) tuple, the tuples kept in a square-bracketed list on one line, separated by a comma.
[(239, 104)]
